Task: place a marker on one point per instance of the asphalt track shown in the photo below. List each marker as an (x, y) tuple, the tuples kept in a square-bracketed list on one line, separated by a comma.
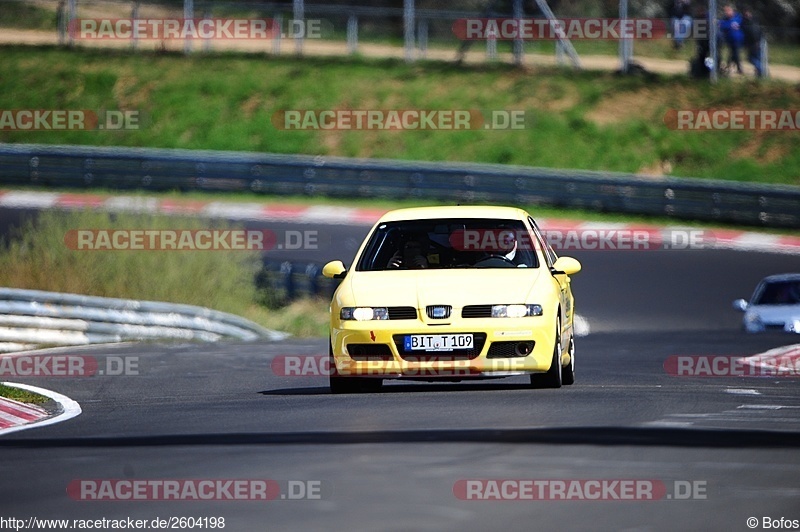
[(391, 460)]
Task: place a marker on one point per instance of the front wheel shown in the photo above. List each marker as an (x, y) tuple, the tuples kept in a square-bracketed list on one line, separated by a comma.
[(553, 378), (568, 372)]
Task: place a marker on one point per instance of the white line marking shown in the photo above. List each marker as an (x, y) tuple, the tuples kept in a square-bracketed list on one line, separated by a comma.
[(70, 407), (742, 391)]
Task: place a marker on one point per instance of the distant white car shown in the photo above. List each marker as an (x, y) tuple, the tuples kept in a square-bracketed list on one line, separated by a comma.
[(775, 305)]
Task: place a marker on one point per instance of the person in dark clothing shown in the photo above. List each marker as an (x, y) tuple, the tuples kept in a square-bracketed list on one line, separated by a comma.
[(731, 28), (679, 12), (752, 40)]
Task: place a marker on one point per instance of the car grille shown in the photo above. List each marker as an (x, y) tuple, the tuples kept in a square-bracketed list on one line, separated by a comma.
[(507, 349), (366, 352), (402, 313), (477, 311), (430, 356), (438, 312), (774, 327)]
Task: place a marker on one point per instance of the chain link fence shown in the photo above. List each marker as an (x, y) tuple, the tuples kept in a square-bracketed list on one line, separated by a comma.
[(411, 29)]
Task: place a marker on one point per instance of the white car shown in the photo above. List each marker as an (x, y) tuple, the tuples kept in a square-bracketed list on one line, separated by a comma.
[(775, 305)]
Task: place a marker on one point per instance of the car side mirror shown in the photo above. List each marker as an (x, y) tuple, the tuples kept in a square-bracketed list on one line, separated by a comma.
[(334, 270), (740, 305), (566, 265)]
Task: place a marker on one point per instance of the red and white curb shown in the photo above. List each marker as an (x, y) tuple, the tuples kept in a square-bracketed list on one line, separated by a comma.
[(779, 361), (338, 215), (16, 416)]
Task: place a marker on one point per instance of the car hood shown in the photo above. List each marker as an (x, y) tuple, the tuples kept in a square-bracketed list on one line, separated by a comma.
[(443, 287)]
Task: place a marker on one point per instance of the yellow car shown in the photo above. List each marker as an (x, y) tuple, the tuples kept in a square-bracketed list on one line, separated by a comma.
[(452, 293)]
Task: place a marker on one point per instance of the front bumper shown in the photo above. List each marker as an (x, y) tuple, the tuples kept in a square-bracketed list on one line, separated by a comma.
[(379, 352)]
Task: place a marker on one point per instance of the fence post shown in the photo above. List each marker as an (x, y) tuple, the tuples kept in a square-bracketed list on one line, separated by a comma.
[(712, 39), (408, 27), (518, 38), (299, 16), (134, 16), (287, 269), (624, 59), (312, 273), (188, 13), (277, 25), (491, 45), (71, 9), (422, 38), (352, 33), (764, 57)]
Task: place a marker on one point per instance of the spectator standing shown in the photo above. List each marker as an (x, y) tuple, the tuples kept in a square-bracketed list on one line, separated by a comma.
[(680, 16), (752, 40), (731, 28)]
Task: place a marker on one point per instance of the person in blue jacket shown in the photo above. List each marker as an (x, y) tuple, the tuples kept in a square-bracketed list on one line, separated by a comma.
[(731, 31)]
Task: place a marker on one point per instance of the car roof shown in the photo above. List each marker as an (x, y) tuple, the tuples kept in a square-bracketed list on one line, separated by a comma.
[(781, 277), (455, 211)]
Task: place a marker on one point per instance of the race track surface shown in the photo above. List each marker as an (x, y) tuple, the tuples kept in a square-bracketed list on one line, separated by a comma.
[(398, 460)]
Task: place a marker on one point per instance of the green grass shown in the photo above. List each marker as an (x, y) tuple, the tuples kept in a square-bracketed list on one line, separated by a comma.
[(38, 258), (23, 396), (22, 15), (584, 120)]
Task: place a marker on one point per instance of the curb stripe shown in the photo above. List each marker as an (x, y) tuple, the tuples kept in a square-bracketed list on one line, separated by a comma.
[(69, 408)]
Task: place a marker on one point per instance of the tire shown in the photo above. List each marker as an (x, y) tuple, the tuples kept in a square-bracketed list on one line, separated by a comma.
[(341, 384), (568, 372), (551, 379)]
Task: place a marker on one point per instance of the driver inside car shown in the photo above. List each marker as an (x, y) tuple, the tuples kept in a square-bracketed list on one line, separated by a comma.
[(410, 257)]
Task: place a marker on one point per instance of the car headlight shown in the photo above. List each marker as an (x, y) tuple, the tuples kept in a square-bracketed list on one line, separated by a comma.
[(516, 311), (364, 313)]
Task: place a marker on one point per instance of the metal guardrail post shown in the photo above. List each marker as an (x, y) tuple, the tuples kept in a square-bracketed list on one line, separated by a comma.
[(299, 17), (188, 13), (352, 34), (518, 43), (287, 269), (713, 28), (408, 29), (422, 37)]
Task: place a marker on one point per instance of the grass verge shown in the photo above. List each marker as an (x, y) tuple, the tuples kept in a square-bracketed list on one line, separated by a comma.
[(23, 396), (583, 120), (38, 258)]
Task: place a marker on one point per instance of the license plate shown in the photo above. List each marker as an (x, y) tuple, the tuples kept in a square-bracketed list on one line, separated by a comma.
[(437, 342)]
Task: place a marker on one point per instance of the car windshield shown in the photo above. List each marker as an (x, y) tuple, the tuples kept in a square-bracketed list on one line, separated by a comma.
[(449, 243), (779, 293)]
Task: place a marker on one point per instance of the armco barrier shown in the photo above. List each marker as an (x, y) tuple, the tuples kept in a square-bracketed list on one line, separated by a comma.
[(160, 169), (29, 318)]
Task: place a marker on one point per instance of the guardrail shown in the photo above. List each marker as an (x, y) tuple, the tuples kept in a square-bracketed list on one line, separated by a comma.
[(264, 173), (31, 318)]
